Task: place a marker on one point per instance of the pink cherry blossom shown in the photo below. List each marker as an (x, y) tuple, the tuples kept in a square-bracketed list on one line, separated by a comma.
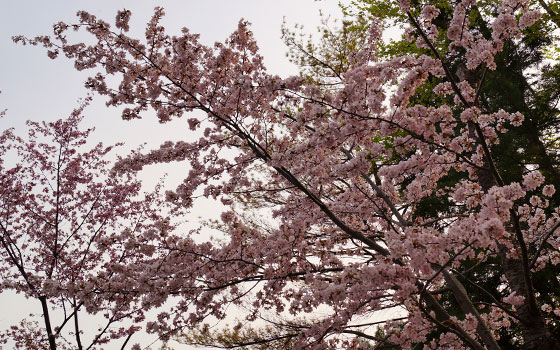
[(325, 189)]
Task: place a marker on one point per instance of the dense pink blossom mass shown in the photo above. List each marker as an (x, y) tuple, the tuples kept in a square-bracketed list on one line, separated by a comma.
[(338, 174)]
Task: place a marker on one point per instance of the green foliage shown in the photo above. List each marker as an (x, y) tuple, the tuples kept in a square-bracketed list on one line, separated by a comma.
[(268, 337), (324, 62)]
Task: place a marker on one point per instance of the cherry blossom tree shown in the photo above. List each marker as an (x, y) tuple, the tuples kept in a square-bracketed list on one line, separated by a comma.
[(67, 226), (509, 87), (339, 177)]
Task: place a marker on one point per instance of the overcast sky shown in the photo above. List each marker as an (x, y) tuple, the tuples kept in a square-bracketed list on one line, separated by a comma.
[(35, 87)]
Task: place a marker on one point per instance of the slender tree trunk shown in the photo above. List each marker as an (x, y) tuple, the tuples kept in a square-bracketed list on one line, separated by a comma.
[(77, 330), (52, 343)]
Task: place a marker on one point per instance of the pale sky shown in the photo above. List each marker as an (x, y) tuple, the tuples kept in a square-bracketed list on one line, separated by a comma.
[(37, 88)]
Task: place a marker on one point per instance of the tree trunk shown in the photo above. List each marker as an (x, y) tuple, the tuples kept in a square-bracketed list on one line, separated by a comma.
[(536, 335), (52, 343)]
